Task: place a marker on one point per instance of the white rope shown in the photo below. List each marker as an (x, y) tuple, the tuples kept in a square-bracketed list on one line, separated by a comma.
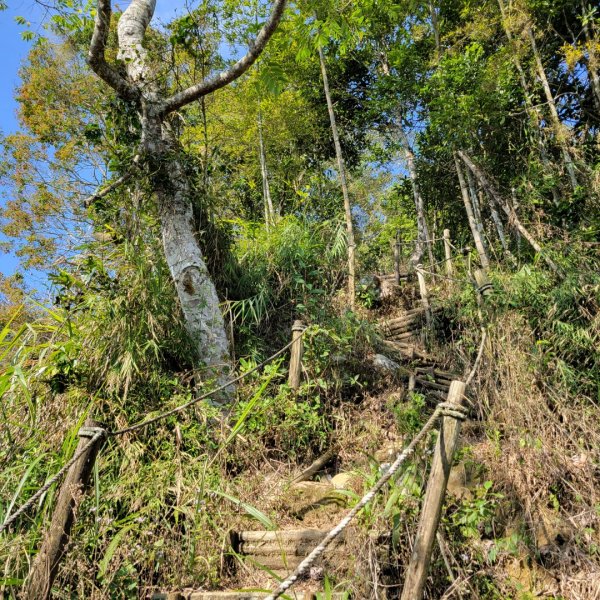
[(337, 530), (96, 434)]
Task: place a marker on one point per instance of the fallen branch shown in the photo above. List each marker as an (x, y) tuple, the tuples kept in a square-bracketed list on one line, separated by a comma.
[(315, 467)]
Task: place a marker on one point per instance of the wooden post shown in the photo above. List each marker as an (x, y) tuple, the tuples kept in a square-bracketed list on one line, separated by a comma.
[(467, 254), (416, 574), (424, 296), (296, 352), (45, 565), (397, 258), (448, 254)]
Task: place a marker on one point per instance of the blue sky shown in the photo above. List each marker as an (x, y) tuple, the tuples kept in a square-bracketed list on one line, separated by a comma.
[(13, 50)]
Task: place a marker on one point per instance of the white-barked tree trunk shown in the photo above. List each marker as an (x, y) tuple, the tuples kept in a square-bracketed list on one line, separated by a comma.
[(163, 155)]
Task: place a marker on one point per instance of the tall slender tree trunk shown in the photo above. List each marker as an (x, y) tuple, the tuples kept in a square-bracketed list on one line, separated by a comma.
[(535, 117), (475, 203), (593, 64), (435, 25), (423, 236), (195, 290), (499, 228), (561, 131), (477, 206), (264, 171), (477, 238), (515, 204), (161, 151), (344, 185), (495, 197)]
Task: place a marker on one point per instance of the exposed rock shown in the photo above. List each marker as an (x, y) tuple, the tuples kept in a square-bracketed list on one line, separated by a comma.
[(383, 363), (343, 481)]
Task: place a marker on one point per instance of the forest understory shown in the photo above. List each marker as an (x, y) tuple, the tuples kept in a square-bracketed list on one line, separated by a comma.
[(414, 185)]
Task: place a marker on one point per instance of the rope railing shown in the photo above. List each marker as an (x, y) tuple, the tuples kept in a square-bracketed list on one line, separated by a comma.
[(454, 409), (98, 432), (182, 407), (444, 408), (450, 409)]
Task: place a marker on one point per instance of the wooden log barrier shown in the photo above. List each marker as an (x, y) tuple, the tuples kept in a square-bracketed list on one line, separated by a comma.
[(416, 574), (43, 571)]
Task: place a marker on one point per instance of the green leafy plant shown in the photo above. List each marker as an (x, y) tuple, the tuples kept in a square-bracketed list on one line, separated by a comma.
[(474, 517)]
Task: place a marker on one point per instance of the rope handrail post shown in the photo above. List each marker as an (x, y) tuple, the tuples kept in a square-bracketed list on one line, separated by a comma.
[(424, 295), (38, 585), (397, 246), (416, 574), (448, 254), (483, 283), (296, 352)]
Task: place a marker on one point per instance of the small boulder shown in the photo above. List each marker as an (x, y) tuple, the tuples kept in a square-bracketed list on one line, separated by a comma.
[(383, 363)]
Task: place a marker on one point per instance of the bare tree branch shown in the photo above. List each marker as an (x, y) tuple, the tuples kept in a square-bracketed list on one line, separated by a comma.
[(100, 193), (97, 60), (239, 68)]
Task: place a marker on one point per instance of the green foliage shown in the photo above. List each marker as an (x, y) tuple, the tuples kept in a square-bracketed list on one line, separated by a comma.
[(475, 517), (286, 272), (562, 317), (113, 344), (409, 413), (123, 306)]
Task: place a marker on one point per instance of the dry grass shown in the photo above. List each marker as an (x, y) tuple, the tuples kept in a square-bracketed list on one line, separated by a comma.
[(542, 451)]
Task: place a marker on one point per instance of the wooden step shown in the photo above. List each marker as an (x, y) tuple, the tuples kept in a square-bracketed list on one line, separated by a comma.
[(432, 384), (278, 551), (438, 373), (402, 337), (406, 350), (241, 595)]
